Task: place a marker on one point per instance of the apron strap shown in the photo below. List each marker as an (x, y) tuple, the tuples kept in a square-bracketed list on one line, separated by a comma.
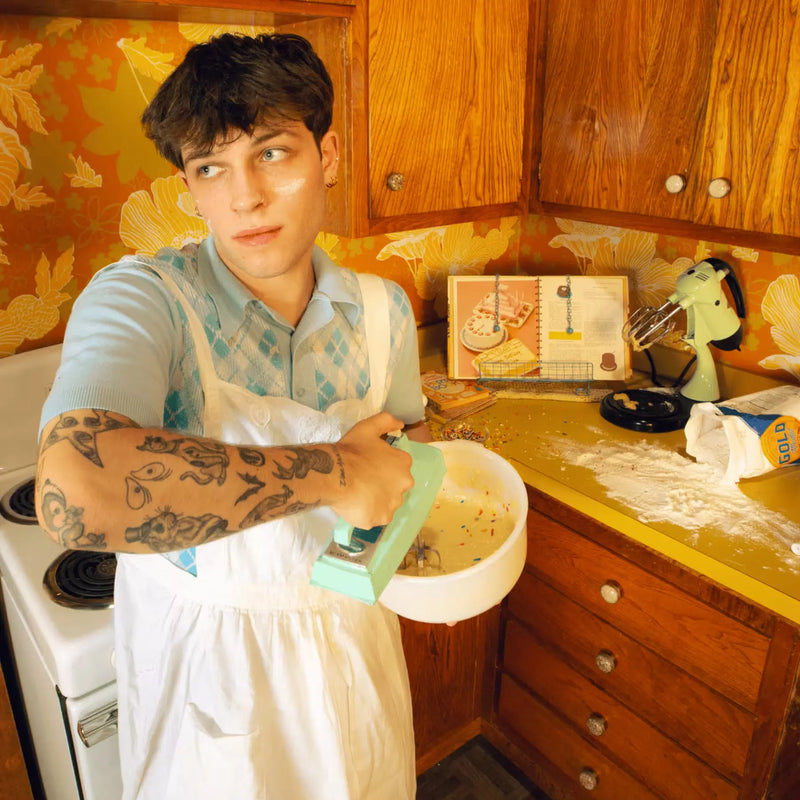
[(205, 361), (378, 334)]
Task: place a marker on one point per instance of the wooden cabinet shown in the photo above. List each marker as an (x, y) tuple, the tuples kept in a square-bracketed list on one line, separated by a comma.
[(447, 110), (674, 109), (624, 673), (447, 672), (13, 776)]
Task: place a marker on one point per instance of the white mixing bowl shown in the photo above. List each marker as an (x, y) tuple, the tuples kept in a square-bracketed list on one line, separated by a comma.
[(455, 596)]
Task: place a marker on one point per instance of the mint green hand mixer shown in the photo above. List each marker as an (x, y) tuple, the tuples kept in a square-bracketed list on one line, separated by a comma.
[(360, 563)]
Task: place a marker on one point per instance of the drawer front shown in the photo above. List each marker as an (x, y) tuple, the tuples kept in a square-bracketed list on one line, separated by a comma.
[(663, 765), (685, 709), (705, 642), (521, 714)]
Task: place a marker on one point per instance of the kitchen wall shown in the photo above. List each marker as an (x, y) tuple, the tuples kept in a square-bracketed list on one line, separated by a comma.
[(80, 187)]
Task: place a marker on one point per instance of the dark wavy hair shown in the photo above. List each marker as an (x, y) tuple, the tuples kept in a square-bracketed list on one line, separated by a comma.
[(234, 82)]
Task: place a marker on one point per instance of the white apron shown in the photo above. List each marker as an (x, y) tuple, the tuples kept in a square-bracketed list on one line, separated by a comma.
[(246, 682)]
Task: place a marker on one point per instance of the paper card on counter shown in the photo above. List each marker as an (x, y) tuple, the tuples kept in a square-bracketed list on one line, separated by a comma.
[(510, 359)]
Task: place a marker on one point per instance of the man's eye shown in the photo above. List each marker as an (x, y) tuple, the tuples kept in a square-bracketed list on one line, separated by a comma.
[(273, 154), (207, 171)]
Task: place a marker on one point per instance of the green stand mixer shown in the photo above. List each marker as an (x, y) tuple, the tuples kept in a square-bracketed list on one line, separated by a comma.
[(709, 321)]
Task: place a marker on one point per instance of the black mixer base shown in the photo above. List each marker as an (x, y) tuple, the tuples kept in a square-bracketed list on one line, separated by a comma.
[(646, 410)]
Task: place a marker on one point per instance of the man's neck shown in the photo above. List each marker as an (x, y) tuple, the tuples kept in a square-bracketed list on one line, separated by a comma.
[(287, 295)]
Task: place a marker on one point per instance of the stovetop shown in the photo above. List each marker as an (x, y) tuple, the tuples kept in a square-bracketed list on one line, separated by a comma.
[(76, 645)]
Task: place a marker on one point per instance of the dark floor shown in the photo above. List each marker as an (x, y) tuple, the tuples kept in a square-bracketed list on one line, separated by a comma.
[(476, 771)]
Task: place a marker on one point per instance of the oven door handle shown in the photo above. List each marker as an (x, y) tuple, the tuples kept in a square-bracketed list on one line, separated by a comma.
[(99, 725)]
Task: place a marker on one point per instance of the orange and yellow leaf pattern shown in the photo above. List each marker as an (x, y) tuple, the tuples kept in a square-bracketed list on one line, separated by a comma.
[(32, 316), (84, 176)]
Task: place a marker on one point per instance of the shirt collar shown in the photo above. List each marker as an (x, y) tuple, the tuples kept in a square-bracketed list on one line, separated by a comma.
[(332, 285), (231, 296)]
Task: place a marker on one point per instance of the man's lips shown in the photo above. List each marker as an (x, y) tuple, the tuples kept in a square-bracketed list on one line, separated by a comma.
[(256, 236)]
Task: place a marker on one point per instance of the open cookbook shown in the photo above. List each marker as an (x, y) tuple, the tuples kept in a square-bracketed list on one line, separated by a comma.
[(525, 324)]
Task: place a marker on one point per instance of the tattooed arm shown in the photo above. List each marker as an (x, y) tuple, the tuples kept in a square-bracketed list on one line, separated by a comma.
[(104, 483)]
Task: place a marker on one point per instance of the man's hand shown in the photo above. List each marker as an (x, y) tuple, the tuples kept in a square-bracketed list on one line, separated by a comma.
[(373, 474)]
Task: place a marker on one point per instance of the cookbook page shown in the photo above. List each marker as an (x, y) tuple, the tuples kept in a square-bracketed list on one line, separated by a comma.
[(581, 320), (492, 318)]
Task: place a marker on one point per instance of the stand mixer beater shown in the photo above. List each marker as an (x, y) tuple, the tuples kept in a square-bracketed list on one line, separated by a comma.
[(709, 321)]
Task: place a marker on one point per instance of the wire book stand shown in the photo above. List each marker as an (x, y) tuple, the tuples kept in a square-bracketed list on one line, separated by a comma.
[(538, 376)]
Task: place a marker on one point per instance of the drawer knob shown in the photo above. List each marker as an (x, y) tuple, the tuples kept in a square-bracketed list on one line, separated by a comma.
[(596, 724), (611, 592), (606, 661), (588, 778), (395, 181)]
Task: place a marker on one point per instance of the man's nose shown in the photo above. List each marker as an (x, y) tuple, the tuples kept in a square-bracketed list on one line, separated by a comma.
[(248, 192)]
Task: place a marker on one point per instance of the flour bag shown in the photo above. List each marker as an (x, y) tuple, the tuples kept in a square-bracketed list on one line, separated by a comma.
[(747, 436)]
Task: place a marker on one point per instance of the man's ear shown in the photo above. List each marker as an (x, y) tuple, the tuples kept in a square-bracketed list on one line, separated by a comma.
[(182, 176), (329, 151)]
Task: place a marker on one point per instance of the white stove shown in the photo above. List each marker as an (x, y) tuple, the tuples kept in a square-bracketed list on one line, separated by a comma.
[(59, 665)]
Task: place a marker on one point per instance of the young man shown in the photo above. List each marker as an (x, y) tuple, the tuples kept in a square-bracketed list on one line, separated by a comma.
[(216, 408)]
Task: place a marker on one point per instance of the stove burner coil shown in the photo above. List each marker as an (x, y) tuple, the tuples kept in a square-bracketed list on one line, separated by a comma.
[(82, 579), (17, 504)]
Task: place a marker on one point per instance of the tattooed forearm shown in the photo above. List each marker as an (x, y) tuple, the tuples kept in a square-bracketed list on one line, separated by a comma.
[(256, 486), (169, 531), (251, 457), (210, 458), (81, 432), (137, 495), (277, 505), (67, 521), (340, 464), (305, 459)]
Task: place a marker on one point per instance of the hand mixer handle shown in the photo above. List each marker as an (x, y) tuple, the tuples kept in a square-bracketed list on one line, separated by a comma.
[(733, 283)]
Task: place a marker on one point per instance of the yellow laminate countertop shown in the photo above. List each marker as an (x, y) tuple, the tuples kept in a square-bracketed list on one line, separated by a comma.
[(531, 434)]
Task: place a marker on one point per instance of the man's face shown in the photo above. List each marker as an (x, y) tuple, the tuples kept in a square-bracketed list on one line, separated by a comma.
[(263, 197)]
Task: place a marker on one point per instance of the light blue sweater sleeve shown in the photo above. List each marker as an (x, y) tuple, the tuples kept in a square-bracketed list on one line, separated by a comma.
[(119, 348)]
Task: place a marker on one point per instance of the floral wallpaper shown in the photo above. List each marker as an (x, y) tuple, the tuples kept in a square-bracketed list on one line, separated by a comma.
[(80, 186)]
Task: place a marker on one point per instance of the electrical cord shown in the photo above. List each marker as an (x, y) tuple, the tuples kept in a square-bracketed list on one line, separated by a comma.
[(654, 376)]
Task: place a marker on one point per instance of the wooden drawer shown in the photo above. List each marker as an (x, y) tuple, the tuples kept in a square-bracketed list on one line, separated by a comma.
[(664, 766), (682, 707), (564, 748), (696, 637)]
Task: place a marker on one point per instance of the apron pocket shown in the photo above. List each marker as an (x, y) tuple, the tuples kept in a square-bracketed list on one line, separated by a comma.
[(213, 759)]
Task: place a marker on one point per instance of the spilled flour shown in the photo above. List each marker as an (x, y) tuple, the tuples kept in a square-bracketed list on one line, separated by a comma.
[(660, 485)]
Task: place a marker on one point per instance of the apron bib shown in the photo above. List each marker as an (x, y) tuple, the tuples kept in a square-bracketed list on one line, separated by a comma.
[(246, 682)]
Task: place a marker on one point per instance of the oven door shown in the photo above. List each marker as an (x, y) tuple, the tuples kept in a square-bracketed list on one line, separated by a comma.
[(92, 725), (70, 768)]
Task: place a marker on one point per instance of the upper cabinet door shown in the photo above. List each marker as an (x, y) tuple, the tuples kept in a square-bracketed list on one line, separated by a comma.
[(447, 91), (624, 103), (752, 132)]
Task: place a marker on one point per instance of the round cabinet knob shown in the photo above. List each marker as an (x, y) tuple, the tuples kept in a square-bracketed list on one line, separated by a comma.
[(675, 184), (719, 188), (597, 724), (588, 778), (606, 661), (611, 592), (396, 181)]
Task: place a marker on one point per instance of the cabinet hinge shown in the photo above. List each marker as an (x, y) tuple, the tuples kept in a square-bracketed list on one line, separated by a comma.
[(540, 172)]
